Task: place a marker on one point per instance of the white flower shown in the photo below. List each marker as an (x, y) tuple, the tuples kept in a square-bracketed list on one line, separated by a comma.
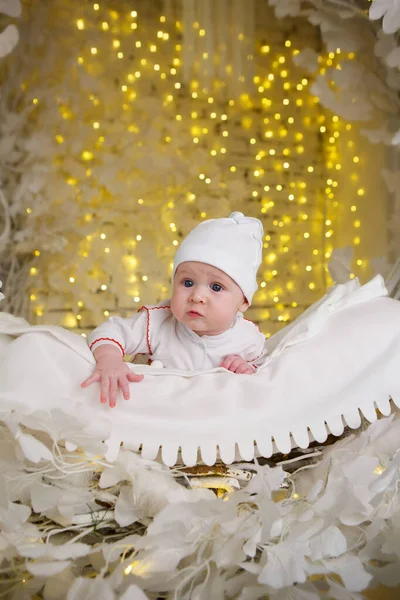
[(9, 37), (8, 40), (11, 8), (286, 8), (285, 564), (389, 10), (91, 589), (340, 264)]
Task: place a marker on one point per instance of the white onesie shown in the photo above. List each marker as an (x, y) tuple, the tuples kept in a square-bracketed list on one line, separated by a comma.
[(155, 332)]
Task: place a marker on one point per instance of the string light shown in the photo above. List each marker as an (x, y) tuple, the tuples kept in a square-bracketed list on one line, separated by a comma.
[(278, 140)]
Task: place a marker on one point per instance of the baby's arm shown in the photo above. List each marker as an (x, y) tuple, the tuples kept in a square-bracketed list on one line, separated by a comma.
[(108, 343), (237, 364), (251, 349), (112, 372)]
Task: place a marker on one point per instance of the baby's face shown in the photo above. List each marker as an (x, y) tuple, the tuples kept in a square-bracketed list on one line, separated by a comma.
[(205, 299)]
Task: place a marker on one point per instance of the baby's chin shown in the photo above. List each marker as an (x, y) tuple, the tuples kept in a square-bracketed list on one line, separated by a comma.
[(204, 328)]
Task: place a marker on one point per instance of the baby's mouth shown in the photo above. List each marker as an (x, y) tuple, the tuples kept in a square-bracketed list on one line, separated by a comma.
[(194, 313)]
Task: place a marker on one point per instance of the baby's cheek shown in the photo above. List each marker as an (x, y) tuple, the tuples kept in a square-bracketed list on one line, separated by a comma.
[(174, 306)]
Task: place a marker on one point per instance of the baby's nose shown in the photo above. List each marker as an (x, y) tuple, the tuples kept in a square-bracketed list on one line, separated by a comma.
[(198, 295)]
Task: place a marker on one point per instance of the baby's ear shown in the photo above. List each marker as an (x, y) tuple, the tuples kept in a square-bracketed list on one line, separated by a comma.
[(244, 306)]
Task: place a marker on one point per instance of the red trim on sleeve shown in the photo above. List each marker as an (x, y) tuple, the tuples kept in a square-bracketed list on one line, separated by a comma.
[(109, 340), (254, 359), (147, 327), (148, 323)]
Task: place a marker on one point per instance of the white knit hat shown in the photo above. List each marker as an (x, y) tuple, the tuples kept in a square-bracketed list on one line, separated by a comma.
[(232, 244)]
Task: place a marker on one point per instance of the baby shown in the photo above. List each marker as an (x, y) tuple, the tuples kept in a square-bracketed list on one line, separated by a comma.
[(202, 326)]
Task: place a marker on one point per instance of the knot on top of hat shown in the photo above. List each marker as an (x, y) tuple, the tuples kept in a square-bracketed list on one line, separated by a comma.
[(237, 216)]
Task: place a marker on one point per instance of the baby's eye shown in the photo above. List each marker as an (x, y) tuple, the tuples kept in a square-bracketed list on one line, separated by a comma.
[(188, 283), (216, 287)]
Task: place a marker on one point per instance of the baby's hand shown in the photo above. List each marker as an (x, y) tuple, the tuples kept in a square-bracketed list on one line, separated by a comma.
[(236, 364), (113, 373)]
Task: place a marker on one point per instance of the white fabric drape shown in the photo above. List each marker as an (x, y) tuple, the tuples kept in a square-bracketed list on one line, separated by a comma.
[(342, 356)]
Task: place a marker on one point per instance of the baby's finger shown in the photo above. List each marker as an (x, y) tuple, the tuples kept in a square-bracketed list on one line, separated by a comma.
[(244, 369), (227, 362), (123, 384), (104, 387), (236, 363), (133, 376), (92, 379), (113, 392)]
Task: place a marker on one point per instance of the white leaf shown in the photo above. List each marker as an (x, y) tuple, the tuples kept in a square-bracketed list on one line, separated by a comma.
[(57, 586), (46, 569), (44, 497), (393, 58), (377, 136), (285, 564), (250, 546), (84, 588), (125, 513), (388, 575), (388, 479), (315, 490), (11, 8), (391, 20), (329, 543), (61, 552), (299, 592), (70, 446), (307, 59), (8, 40), (33, 449), (396, 139), (267, 480), (14, 516), (378, 9), (3, 493), (340, 264), (338, 592), (110, 476), (133, 593), (286, 8), (350, 568)]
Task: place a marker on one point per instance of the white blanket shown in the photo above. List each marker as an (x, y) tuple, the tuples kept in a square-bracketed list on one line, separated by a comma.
[(342, 355)]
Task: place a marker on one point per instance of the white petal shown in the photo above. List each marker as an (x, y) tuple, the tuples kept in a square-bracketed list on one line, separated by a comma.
[(393, 58), (11, 8), (57, 586), (8, 40), (331, 542), (391, 21), (14, 516), (125, 512), (379, 8), (133, 593), (3, 493), (338, 592), (44, 497), (89, 589), (308, 59), (33, 449), (352, 572), (46, 569), (396, 139)]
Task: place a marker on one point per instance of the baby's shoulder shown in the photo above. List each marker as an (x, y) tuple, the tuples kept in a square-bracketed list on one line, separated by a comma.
[(157, 313), (247, 329), (246, 324)]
